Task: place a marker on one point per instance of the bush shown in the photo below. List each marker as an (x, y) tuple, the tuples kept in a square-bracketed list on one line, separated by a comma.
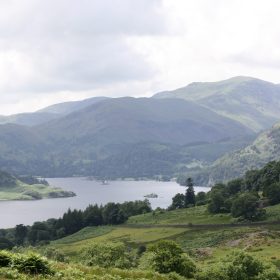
[(5, 259), (108, 255), (213, 273), (31, 264), (166, 256), (246, 206), (240, 266), (272, 192)]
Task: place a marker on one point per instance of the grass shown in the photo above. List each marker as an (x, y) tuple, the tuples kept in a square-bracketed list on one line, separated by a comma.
[(206, 245), (84, 234), (196, 215), (31, 192), (273, 213), (74, 244)]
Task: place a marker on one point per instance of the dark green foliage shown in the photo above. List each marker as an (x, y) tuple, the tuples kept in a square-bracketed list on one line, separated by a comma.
[(166, 256), (93, 215), (218, 202), (7, 180), (272, 192), (178, 202), (113, 214), (235, 186), (6, 243), (73, 221), (20, 233), (132, 208), (190, 195), (241, 195), (201, 198), (246, 206), (5, 259)]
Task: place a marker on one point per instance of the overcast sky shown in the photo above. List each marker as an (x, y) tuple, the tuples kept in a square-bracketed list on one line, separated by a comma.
[(60, 50)]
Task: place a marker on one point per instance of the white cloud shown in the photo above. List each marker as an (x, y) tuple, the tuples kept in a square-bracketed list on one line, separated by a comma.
[(52, 51)]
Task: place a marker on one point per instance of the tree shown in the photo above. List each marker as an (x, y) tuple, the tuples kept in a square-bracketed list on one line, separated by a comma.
[(234, 186), (190, 195), (246, 206), (20, 233), (272, 192), (166, 256), (112, 214), (201, 198), (217, 202), (93, 216), (178, 201)]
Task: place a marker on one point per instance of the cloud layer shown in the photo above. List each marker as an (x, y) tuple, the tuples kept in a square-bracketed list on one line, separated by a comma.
[(53, 51)]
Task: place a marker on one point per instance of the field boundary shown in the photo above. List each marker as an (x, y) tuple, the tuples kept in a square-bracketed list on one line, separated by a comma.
[(200, 226)]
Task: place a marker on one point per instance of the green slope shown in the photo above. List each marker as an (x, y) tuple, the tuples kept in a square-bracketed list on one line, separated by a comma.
[(124, 137), (264, 149), (13, 189), (252, 102)]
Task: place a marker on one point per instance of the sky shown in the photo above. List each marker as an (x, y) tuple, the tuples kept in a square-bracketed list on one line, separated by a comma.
[(54, 51)]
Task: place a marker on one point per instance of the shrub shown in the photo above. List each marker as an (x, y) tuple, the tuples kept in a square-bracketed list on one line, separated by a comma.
[(108, 255), (166, 256), (32, 264), (5, 259)]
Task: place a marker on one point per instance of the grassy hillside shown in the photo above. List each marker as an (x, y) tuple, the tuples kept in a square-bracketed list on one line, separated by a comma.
[(264, 149), (13, 189), (206, 245), (252, 102), (196, 215)]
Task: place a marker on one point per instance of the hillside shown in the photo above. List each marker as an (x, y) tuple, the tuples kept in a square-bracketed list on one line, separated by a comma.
[(66, 108), (12, 188), (49, 113), (130, 120), (252, 102), (124, 137), (264, 149)]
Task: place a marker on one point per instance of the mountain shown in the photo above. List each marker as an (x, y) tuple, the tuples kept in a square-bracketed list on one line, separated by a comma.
[(69, 107), (252, 102), (29, 119), (264, 149), (136, 120), (119, 137), (49, 113)]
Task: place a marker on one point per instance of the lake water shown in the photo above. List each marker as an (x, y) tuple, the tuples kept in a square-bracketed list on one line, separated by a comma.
[(88, 192)]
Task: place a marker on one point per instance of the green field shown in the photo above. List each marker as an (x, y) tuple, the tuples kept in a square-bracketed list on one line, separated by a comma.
[(207, 245), (195, 215)]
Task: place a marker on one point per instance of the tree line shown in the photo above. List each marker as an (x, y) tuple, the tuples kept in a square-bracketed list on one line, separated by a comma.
[(71, 222), (245, 198)]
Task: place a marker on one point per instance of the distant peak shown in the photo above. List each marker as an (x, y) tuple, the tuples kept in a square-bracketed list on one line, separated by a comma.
[(241, 79)]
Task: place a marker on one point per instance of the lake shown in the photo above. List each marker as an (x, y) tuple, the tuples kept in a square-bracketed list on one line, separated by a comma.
[(88, 192)]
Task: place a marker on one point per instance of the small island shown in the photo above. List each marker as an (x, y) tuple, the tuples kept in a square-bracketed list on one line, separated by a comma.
[(28, 188), (151, 195)]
